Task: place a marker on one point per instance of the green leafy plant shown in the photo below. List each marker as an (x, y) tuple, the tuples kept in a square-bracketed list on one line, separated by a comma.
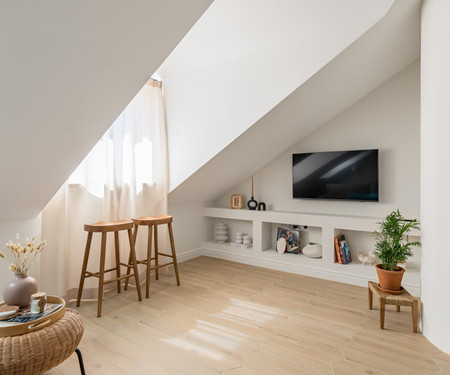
[(393, 245)]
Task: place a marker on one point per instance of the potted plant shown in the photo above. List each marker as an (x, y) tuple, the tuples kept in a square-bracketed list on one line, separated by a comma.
[(392, 247)]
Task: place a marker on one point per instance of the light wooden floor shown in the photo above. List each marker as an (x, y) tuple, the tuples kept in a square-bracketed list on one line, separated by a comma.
[(233, 319)]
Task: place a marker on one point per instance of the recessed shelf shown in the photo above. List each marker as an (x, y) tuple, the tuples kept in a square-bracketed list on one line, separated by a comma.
[(321, 228)]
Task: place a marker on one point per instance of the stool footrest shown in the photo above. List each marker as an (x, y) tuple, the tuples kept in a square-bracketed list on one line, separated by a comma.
[(97, 274), (118, 278), (137, 262), (130, 265), (165, 255), (162, 265)]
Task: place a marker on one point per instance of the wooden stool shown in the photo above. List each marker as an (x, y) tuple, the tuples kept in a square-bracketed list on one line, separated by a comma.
[(104, 227), (154, 221), (402, 299)]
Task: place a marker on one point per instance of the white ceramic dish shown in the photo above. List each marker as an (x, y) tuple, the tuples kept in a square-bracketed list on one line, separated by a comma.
[(313, 250), (9, 311)]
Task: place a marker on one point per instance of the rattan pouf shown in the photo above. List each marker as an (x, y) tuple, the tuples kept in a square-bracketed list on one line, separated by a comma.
[(39, 351)]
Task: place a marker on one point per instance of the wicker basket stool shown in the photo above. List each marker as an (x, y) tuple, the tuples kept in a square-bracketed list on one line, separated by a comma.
[(39, 351)]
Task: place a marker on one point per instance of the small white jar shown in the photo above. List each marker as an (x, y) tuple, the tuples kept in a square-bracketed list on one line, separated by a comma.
[(38, 302)]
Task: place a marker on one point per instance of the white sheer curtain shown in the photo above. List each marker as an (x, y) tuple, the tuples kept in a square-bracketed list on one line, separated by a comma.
[(124, 176)]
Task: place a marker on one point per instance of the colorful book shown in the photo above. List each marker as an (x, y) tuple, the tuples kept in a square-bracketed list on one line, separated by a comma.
[(344, 251), (337, 248), (348, 254)]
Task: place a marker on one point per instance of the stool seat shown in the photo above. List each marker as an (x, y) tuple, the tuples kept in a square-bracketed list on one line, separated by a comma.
[(153, 220), (109, 226)]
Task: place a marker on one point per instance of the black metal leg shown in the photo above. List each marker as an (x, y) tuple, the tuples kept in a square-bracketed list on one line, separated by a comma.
[(80, 359)]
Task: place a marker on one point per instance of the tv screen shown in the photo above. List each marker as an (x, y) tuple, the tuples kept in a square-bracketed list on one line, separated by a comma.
[(350, 175)]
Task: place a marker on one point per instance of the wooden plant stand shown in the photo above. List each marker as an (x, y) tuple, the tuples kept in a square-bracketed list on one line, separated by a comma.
[(402, 299)]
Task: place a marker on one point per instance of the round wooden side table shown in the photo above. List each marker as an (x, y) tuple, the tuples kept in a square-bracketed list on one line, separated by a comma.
[(39, 351)]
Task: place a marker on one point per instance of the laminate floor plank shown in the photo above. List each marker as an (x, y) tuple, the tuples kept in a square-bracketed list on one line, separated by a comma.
[(234, 319), (292, 351)]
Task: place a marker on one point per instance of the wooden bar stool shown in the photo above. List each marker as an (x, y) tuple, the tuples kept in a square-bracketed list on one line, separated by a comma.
[(152, 223), (104, 227)]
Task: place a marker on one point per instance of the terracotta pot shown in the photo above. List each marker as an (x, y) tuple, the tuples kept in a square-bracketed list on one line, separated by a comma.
[(19, 290), (390, 280)]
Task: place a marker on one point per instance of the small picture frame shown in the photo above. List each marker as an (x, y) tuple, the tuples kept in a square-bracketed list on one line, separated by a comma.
[(236, 201)]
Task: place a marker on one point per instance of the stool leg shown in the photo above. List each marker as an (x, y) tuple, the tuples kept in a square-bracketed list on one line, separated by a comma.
[(101, 275), (80, 361), (116, 246), (156, 253), (415, 314), (370, 297), (83, 268), (382, 310), (149, 261), (174, 255), (398, 307), (133, 259), (135, 230)]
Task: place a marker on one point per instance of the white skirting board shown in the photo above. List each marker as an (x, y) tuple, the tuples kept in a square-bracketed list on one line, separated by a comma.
[(326, 274), (191, 254)]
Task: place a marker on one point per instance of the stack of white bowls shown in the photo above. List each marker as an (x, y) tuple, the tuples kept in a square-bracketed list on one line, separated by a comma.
[(221, 235), (239, 238), (246, 239)]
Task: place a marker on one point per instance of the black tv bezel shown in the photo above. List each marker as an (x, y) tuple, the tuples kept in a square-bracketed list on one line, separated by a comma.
[(337, 199)]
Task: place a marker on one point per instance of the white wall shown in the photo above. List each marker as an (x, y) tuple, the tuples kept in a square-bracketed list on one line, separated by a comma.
[(189, 227), (435, 198), (8, 230), (381, 53), (67, 71), (244, 57), (387, 119)]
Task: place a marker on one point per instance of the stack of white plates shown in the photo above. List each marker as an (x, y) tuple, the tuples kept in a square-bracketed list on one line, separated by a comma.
[(221, 234), (246, 239)]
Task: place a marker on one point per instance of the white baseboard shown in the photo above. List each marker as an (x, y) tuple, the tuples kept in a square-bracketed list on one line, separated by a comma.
[(282, 266), (296, 268), (191, 254), (326, 274)]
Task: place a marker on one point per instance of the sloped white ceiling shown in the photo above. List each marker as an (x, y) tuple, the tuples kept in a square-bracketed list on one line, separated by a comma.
[(383, 51), (67, 69), (244, 57)]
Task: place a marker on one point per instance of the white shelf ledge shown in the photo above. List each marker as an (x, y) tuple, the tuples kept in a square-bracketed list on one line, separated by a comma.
[(328, 226)]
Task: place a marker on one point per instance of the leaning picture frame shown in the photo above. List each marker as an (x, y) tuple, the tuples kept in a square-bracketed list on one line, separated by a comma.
[(236, 201), (291, 233)]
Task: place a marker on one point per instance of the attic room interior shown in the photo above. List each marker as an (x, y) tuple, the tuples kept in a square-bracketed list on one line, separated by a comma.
[(195, 119)]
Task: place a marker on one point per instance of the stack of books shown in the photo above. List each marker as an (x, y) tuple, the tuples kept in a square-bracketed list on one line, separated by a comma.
[(343, 255)]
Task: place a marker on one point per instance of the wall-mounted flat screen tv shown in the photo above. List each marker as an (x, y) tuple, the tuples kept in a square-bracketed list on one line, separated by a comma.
[(349, 175)]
